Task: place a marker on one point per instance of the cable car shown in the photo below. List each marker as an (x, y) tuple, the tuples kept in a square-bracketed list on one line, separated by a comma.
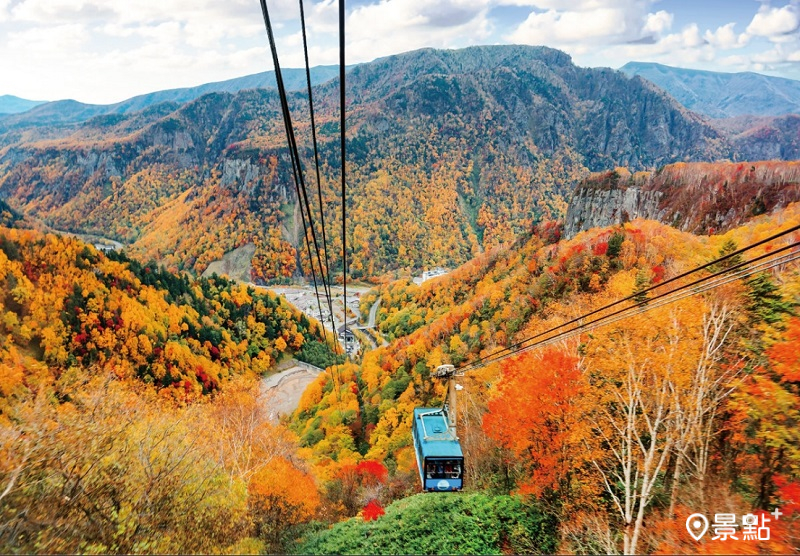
[(439, 457)]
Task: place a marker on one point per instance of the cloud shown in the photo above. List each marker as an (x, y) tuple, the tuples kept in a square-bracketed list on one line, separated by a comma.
[(774, 22), (393, 26), (58, 41), (582, 25), (105, 51), (559, 28), (61, 11), (658, 22), (726, 38)]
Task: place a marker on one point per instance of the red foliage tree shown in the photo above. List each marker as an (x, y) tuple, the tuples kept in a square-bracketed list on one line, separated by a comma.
[(372, 511)]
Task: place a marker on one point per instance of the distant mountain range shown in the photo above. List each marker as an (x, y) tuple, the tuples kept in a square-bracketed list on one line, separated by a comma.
[(9, 104), (27, 112), (450, 152), (722, 95), (714, 94)]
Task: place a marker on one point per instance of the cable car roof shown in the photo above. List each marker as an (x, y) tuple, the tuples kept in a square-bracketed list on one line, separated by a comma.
[(436, 439)]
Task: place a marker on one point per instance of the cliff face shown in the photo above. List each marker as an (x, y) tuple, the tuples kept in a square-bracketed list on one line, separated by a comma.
[(595, 206), (696, 197)]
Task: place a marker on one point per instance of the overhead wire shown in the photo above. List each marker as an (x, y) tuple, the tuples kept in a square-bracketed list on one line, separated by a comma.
[(293, 155), (329, 284), (729, 274), (645, 291), (644, 306), (343, 148)]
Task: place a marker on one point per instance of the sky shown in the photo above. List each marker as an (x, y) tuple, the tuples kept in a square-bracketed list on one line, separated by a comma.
[(104, 51)]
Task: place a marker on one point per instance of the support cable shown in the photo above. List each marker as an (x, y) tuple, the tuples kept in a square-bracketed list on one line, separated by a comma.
[(316, 166), (293, 153), (519, 346), (644, 306), (343, 148), (631, 297)]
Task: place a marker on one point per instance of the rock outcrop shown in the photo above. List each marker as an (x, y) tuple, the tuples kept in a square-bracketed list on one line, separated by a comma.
[(696, 197)]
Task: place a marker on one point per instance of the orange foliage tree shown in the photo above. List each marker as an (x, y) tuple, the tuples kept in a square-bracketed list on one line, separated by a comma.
[(536, 414), (281, 495)]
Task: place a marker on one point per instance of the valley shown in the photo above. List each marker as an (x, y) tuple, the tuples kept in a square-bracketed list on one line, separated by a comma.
[(172, 382)]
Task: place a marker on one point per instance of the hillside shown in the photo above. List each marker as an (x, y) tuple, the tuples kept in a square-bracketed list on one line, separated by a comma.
[(130, 414), (547, 423), (67, 306), (722, 95), (695, 197), (775, 138), (9, 104), (467, 149)]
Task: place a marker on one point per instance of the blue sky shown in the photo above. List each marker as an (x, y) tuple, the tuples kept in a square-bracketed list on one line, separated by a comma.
[(108, 50)]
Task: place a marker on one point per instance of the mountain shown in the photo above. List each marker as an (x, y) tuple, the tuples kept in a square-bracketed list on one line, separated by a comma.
[(765, 138), (697, 197), (9, 104), (72, 111), (722, 95), (450, 153)]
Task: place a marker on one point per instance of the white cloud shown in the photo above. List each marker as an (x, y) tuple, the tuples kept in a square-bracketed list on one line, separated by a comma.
[(61, 11), (581, 5), (581, 26), (560, 28), (57, 41), (773, 22), (657, 23), (726, 38), (104, 51)]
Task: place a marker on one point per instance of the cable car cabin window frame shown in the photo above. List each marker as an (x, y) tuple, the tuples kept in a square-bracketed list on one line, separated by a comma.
[(435, 445)]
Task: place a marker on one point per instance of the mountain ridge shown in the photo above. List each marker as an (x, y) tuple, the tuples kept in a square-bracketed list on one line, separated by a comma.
[(10, 104), (467, 148), (722, 95), (69, 111)]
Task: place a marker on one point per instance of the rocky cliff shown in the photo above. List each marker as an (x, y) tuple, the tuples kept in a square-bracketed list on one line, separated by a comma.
[(695, 197)]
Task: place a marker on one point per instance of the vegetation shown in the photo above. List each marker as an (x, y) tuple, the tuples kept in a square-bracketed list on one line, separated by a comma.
[(130, 419), (442, 524), (624, 429), (451, 154), (129, 416)]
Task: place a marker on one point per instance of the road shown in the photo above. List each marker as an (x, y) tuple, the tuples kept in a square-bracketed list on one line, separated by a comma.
[(373, 312)]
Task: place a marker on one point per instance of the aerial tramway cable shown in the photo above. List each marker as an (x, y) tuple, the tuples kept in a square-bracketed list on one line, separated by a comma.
[(511, 349), (316, 166), (295, 158), (343, 148), (741, 269)]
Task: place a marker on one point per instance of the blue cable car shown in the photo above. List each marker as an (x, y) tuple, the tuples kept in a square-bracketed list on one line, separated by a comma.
[(439, 456)]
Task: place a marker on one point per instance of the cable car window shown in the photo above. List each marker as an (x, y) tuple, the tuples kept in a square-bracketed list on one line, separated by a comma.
[(443, 469)]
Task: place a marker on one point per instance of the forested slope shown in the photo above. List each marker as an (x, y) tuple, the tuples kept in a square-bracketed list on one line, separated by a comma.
[(551, 424), (450, 153), (130, 416)]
